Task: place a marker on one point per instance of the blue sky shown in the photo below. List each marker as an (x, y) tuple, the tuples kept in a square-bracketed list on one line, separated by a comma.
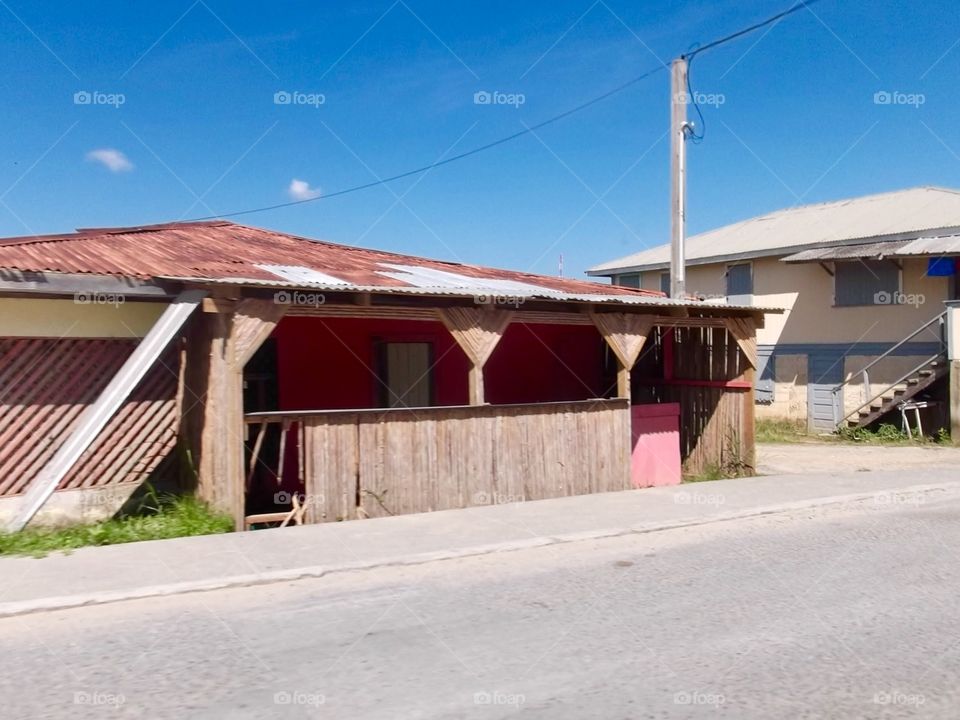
[(198, 131)]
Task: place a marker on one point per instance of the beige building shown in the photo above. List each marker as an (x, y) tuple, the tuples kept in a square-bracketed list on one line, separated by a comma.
[(860, 280)]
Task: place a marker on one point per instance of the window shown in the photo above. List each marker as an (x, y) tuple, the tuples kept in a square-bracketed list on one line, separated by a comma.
[(740, 282), (866, 282), (631, 281), (665, 283), (405, 373)]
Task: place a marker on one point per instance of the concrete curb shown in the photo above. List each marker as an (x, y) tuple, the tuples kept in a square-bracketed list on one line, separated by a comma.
[(66, 602)]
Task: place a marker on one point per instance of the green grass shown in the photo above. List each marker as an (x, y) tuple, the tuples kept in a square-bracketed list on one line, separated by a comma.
[(159, 518), (711, 472), (795, 431), (776, 430)]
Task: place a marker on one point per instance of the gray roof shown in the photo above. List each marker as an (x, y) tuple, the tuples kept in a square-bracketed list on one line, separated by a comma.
[(946, 245), (899, 215)]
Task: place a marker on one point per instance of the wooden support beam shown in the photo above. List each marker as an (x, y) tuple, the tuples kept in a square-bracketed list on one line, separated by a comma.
[(477, 331), (744, 331), (626, 334), (252, 324), (222, 344)]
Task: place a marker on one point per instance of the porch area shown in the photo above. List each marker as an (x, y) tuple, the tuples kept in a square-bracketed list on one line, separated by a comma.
[(340, 412)]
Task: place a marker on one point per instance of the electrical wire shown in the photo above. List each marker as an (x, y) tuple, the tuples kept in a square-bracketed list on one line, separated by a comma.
[(747, 30), (445, 161), (696, 137)]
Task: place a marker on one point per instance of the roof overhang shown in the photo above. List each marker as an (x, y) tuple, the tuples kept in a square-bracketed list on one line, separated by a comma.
[(865, 251), (481, 296), (21, 282), (779, 252)]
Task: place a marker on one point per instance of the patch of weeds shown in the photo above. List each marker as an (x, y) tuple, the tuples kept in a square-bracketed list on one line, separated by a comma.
[(885, 434), (159, 517), (776, 430), (710, 472)]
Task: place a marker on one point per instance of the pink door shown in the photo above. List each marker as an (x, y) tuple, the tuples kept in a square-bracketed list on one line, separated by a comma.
[(656, 444)]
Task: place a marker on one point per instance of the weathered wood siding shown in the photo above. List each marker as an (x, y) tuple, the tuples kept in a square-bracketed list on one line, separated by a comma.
[(377, 463)]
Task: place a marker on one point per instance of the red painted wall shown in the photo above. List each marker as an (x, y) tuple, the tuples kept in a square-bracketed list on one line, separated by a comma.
[(545, 363), (328, 363)]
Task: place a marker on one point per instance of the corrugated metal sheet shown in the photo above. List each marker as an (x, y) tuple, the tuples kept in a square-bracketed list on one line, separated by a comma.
[(45, 384), (486, 294), (944, 245), (847, 252), (225, 251), (873, 216)]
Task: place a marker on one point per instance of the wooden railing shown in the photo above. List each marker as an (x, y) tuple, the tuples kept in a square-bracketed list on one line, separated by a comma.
[(372, 463)]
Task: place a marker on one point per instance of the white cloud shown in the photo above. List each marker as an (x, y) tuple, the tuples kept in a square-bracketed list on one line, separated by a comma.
[(113, 160), (301, 190)]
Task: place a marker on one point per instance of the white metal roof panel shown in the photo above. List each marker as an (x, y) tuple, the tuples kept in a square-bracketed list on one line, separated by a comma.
[(909, 212)]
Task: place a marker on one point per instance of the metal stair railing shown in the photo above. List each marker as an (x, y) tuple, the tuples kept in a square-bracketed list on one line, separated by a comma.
[(864, 377)]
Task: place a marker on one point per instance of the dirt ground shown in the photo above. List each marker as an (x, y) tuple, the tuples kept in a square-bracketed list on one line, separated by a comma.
[(788, 458)]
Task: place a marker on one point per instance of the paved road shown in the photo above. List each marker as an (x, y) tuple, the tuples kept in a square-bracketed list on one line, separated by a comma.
[(834, 613)]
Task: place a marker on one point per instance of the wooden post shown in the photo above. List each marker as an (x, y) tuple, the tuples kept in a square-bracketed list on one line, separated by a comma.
[(625, 334), (224, 340), (477, 331), (475, 379), (743, 330)]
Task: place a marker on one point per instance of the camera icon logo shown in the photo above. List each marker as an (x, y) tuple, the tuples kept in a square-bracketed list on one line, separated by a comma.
[(282, 97)]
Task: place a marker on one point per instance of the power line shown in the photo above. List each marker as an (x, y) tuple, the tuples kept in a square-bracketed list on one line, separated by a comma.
[(697, 137), (527, 130), (446, 161), (746, 31)]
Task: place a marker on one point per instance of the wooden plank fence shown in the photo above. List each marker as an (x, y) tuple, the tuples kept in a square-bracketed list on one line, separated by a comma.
[(373, 463)]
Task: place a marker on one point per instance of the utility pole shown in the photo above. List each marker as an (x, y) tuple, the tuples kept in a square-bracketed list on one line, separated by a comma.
[(678, 177)]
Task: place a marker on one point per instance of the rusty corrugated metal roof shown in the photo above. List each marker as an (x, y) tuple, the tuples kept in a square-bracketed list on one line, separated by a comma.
[(222, 251)]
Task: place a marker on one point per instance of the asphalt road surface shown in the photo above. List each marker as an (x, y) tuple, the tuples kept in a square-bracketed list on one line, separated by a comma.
[(843, 613)]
